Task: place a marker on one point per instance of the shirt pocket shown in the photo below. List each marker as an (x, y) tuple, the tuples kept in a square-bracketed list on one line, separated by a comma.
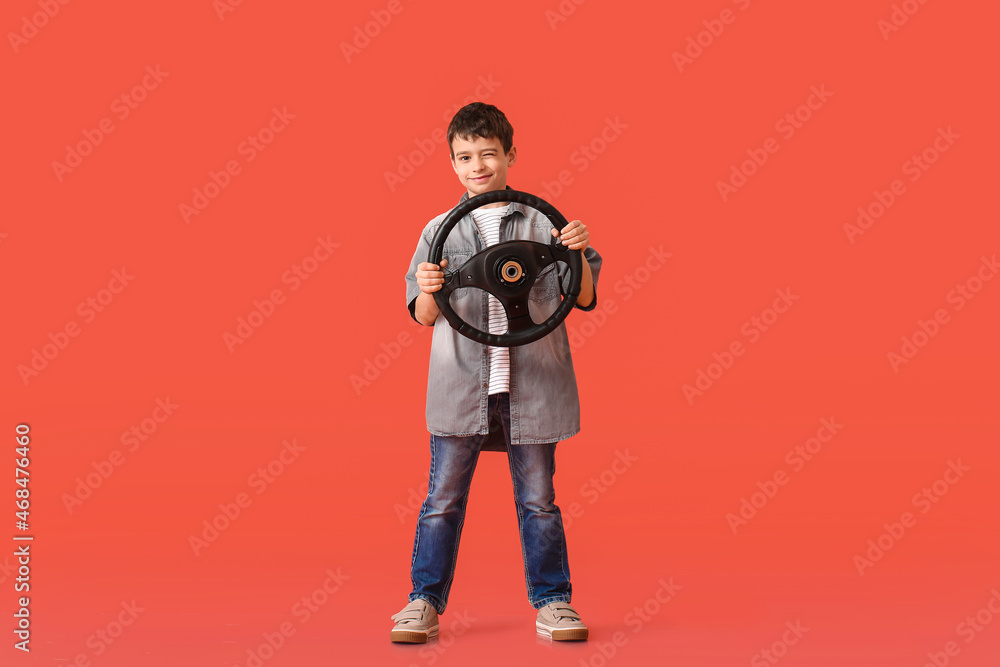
[(456, 258), (543, 225), (546, 287)]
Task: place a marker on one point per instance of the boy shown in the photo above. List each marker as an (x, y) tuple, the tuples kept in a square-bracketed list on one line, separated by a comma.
[(520, 399)]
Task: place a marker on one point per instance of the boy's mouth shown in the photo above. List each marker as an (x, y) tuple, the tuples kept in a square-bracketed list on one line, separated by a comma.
[(479, 179)]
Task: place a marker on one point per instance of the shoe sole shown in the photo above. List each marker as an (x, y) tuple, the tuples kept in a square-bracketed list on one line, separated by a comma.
[(562, 634), (413, 636)]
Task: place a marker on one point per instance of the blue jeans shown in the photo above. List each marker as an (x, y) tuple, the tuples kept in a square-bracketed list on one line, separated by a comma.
[(442, 515)]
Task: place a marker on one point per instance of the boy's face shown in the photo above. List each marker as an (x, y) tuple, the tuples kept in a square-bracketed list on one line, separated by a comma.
[(481, 164)]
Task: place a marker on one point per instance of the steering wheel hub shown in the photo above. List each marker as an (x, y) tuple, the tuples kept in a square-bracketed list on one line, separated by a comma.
[(512, 271)]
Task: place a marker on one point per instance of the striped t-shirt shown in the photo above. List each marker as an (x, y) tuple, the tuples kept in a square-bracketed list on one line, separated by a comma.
[(488, 221)]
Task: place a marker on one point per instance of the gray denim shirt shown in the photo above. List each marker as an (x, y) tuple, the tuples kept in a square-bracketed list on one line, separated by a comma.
[(544, 403)]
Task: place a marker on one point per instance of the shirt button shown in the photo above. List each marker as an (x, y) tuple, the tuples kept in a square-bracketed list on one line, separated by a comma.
[(485, 384)]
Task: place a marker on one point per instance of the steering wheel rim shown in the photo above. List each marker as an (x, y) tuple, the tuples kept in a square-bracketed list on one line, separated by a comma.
[(529, 255)]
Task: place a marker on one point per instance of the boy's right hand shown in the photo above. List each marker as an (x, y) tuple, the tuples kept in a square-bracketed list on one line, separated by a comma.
[(430, 277)]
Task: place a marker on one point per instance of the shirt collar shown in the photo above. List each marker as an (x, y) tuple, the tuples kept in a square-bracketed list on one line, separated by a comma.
[(514, 206)]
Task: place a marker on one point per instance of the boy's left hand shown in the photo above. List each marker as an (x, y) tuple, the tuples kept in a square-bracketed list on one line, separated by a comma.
[(574, 235)]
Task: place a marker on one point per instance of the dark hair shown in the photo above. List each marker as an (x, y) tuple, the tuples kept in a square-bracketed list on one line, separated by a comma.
[(481, 120)]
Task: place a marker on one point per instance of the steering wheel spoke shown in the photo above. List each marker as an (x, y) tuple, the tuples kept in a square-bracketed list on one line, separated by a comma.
[(516, 307)]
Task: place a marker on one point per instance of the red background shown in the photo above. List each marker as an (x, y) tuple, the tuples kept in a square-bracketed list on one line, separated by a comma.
[(342, 504)]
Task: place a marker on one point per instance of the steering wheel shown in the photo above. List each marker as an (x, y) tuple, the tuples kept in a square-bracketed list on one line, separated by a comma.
[(508, 272)]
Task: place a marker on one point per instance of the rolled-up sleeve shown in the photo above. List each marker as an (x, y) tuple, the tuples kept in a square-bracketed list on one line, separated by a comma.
[(594, 259), (412, 289)]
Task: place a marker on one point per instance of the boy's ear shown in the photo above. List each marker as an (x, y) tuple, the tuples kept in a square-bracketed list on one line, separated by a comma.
[(512, 156)]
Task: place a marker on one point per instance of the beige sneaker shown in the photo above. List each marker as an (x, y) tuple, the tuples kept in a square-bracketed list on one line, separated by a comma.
[(560, 621), (415, 623)]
